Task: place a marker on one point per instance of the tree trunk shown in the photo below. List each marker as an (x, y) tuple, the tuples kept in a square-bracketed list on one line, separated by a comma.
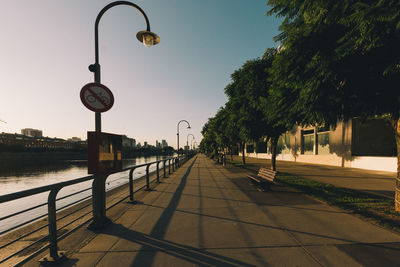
[(231, 153), (274, 143), (396, 127), (243, 156)]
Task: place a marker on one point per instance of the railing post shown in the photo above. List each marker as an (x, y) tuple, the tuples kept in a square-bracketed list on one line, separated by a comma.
[(173, 164), (165, 176), (131, 184), (99, 203), (169, 166), (55, 255), (158, 172), (147, 177)]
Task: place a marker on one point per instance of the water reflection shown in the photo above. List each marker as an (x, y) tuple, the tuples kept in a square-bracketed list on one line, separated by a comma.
[(22, 174), (31, 175), (29, 168)]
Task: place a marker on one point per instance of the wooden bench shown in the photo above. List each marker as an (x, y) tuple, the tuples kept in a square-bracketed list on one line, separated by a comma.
[(265, 177)]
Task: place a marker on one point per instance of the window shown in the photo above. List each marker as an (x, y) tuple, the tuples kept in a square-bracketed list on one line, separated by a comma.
[(283, 146), (249, 148), (307, 144), (261, 147), (323, 143)]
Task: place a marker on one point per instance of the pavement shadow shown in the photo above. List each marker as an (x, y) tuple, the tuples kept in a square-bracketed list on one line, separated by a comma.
[(151, 245), (376, 254), (154, 242)]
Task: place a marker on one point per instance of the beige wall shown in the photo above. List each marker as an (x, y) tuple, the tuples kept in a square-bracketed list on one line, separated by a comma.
[(340, 148)]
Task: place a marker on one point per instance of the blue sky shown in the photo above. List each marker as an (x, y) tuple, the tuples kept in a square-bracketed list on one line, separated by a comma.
[(46, 47)]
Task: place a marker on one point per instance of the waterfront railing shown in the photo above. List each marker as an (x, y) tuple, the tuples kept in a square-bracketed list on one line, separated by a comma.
[(8, 248)]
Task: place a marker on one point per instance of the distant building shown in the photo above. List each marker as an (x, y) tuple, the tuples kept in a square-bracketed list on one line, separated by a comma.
[(164, 144), (31, 132), (74, 139), (41, 142), (139, 145), (128, 142), (145, 144), (158, 144)]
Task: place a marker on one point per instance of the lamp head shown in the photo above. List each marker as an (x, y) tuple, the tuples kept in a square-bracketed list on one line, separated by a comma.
[(148, 38)]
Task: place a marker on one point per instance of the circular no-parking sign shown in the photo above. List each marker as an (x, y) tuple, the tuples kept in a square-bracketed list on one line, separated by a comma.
[(97, 97)]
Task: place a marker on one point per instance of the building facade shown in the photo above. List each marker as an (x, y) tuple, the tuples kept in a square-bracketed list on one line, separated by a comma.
[(356, 143), (164, 143), (128, 142), (31, 132)]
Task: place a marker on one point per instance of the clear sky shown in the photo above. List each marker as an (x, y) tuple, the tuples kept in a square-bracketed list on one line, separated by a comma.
[(47, 45)]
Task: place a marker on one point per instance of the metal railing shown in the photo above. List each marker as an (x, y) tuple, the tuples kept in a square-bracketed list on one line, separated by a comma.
[(53, 189)]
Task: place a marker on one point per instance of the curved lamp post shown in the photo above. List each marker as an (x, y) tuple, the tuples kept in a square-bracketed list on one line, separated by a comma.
[(98, 188), (177, 134), (187, 139), (192, 142), (147, 37)]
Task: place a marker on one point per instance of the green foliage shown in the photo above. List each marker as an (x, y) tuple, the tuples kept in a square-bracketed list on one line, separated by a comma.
[(340, 59)]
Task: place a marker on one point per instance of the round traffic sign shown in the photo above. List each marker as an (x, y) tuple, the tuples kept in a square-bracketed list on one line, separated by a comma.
[(97, 97)]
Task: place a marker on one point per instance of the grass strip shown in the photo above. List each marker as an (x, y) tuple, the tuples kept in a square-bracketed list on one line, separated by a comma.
[(377, 208)]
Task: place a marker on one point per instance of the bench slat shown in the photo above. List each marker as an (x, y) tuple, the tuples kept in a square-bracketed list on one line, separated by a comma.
[(264, 176)]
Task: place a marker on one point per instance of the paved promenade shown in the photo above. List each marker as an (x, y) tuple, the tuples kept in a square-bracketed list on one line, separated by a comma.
[(205, 214)]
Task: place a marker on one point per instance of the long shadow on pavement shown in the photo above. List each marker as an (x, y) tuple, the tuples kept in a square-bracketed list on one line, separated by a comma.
[(154, 242)]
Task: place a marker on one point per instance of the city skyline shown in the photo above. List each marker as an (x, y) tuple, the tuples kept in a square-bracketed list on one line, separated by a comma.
[(31, 132), (46, 50)]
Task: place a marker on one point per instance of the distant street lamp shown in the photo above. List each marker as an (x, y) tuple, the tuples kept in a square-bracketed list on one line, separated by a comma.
[(194, 145), (147, 37), (192, 142), (177, 134), (187, 139)]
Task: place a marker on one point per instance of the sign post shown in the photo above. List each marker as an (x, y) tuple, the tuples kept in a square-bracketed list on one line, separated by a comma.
[(104, 150)]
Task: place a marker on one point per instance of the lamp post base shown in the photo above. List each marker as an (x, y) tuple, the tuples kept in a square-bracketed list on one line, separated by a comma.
[(98, 225)]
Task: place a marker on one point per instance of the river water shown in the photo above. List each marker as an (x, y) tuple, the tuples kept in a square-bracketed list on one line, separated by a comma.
[(30, 176)]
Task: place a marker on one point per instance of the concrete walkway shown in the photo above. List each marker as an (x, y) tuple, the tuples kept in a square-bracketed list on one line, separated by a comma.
[(209, 215), (375, 182)]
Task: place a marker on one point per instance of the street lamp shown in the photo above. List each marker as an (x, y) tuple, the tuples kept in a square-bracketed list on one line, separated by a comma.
[(147, 37), (192, 142), (187, 139), (177, 134)]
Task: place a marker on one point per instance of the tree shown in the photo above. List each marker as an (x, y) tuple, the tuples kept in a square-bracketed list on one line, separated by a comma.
[(256, 113), (340, 59)]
